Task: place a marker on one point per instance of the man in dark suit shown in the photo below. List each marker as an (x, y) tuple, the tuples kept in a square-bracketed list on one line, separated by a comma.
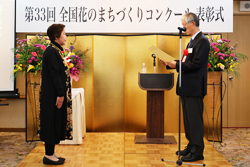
[(193, 87)]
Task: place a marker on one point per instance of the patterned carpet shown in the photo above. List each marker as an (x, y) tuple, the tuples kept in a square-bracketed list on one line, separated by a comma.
[(235, 147), (13, 148)]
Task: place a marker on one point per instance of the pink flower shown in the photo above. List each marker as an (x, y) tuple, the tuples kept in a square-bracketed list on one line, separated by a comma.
[(24, 40), (29, 61), (34, 53), (43, 47), (67, 49), (36, 60), (221, 58), (222, 67), (213, 43), (233, 55), (216, 49)]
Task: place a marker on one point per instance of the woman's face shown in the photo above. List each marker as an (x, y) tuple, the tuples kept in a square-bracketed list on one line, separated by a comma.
[(62, 39)]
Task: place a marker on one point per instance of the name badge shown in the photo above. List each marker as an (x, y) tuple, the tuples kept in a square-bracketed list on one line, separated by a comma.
[(190, 50)]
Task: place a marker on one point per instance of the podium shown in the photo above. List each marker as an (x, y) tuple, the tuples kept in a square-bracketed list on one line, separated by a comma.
[(155, 85)]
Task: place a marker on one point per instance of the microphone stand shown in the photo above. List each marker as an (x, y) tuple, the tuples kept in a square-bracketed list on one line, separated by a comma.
[(179, 161), (153, 55)]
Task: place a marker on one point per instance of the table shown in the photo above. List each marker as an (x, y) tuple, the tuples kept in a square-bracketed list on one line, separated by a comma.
[(78, 116)]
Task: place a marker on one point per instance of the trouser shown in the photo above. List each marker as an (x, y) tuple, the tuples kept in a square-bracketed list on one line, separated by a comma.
[(49, 149), (193, 122)]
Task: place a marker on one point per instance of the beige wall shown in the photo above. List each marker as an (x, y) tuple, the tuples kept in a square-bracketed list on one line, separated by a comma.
[(13, 115)]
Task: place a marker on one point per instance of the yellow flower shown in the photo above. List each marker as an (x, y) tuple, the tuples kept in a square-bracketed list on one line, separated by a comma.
[(14, 71), (231, 68), (17, 68), (71, 65), (72, 54), (30, 67)]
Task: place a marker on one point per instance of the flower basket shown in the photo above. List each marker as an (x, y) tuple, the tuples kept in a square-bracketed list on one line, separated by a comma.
[(33, 104), (213, 89)]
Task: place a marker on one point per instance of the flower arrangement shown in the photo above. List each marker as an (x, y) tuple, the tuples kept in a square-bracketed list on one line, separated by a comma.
[(76, 61), (29, 53), (222, 56)]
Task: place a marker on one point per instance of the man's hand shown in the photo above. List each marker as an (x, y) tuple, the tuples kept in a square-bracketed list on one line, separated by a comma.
[(59, 102), (171, 64), (163, 62)]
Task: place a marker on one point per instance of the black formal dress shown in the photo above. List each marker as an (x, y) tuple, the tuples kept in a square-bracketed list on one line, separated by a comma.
[(55, 82)]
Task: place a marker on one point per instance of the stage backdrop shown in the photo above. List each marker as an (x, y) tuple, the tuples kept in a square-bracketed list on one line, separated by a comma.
[(122, 16)]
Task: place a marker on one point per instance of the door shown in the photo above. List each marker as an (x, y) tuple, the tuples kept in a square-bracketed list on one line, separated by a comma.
[(238, 90)]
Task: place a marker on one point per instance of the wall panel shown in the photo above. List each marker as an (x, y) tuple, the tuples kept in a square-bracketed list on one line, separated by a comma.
[(109, 67), (137, 52)]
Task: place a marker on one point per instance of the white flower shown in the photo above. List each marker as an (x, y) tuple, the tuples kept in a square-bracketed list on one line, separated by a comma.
[(219, 40), (67, 58)]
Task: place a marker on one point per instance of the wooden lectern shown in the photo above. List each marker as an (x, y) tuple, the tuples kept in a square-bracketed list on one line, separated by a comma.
[(155, 85)]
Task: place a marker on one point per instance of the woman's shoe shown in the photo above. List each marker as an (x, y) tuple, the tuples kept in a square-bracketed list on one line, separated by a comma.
[(61, 158), (48, 161)]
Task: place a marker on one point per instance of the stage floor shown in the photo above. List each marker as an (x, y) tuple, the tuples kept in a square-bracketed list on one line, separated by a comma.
[(119, 150)]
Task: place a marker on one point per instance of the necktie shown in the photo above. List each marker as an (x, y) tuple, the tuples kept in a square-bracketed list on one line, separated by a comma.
[(190, 42)]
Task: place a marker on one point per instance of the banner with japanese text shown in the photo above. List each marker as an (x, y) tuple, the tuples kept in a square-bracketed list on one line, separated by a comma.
[(122, 16)]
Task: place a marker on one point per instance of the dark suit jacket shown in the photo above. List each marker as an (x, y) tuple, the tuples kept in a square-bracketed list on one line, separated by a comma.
[(194, 69)]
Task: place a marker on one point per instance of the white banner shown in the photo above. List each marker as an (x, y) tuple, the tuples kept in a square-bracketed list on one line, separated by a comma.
[(7, 41), (122, 16)]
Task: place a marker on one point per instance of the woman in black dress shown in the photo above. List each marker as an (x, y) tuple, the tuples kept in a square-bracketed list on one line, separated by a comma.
[(55, 94)]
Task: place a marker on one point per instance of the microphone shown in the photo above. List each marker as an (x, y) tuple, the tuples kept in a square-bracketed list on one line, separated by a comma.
[(153, 55), (182, 28)]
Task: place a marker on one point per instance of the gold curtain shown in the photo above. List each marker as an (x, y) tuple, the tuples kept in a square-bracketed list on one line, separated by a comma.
[(114, 101)]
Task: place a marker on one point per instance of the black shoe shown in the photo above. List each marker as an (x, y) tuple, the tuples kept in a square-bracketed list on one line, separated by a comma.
[(61, 158), (190, 157), (48, 161), (185, 151)]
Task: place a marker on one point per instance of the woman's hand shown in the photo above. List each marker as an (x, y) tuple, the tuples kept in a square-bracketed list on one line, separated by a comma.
[(59, 102)]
